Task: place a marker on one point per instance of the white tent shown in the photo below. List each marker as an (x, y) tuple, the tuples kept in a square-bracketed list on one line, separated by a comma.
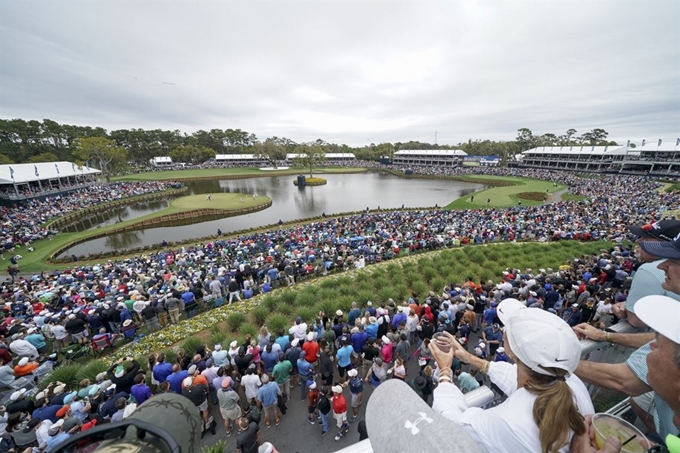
[(26, 173)]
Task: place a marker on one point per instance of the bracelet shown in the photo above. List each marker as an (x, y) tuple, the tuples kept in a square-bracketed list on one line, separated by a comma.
[(608, 337), (485, 367), (445, 379), (445, 370)]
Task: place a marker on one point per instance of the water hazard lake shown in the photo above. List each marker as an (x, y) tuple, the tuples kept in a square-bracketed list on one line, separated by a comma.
[(343, 193)]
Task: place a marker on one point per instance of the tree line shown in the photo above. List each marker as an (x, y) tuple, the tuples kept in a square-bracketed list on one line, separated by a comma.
[(34, 141)]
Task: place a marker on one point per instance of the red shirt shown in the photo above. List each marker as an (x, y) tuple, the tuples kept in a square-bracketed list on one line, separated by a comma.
[(311, 349), (339, 403), (313, 397)]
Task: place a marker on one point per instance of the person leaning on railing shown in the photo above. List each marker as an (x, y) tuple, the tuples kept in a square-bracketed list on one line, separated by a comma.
[(546, 401)]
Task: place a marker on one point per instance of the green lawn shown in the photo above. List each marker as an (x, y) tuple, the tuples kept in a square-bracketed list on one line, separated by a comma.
[(502, 196), (225, 172)]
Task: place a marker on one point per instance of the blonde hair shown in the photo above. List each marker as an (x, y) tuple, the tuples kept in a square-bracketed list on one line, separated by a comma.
[(553, 401)]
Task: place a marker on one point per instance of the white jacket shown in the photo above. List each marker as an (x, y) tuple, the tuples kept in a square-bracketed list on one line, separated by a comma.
[(509, 427)]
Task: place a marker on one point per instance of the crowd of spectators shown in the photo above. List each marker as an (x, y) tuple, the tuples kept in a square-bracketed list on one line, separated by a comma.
[(21, 223), (151, 291), (337, 354)]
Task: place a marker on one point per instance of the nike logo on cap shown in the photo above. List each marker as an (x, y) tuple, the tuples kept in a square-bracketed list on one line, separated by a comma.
[(561, 360)]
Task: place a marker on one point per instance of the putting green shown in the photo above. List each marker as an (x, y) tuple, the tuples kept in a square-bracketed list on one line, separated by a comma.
[(502, 196), (223, 201)]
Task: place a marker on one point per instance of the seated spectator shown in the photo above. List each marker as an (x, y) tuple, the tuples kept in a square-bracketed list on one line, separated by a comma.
[(24, 367)]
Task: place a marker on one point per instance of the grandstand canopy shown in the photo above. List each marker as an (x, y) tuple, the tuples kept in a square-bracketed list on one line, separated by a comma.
[(666, 146), (578, 150), (330, 156), (236, 157), (431, 152), (25, 173), (162, 160)]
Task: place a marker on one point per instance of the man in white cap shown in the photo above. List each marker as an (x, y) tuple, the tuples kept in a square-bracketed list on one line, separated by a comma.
[(220, 356), (662, 314), (57, 436), (356, 389), (632, 377), (339, 406), (23, 348)]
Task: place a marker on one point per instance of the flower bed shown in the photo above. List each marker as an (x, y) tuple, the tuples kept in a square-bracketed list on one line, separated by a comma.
[(535, 196), (313, 181)]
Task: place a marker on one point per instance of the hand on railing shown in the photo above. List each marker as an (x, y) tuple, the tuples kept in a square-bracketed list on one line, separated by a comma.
[(585, 330)]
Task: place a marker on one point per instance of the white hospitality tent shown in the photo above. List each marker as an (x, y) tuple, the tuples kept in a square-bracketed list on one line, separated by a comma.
[(21, 180)]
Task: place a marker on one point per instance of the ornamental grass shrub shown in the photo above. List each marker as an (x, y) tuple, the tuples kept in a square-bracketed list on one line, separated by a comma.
[(248, 328), (218, 338), (191, 344), (91, 370), (288, 297), (68, 374), (234, 320), (278, 321), (259, 315), (308, 314)]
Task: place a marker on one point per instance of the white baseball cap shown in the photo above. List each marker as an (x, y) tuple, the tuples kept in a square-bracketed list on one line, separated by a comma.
[(662, 314), (508, 308), (540, 339)]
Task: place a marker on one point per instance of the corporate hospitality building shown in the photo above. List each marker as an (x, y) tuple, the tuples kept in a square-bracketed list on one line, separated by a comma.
[(26, 181), (652, 159), (439, 157)]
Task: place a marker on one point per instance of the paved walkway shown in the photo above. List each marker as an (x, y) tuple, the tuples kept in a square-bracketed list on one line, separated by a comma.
[(295, 435)]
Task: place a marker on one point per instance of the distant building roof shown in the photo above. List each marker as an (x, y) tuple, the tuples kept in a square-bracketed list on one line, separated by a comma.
[(578, 150), (162, 160), (23, 173), (666, 145), (235, 157), (328, 156), (431, 152)]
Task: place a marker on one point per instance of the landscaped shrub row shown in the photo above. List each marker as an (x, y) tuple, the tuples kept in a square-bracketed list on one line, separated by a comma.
[(394, 279)]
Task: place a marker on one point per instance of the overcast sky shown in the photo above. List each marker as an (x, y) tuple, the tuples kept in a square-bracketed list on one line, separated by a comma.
[(350, 72)]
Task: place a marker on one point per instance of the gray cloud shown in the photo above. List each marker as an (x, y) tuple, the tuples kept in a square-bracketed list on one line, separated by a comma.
[(348, 72)]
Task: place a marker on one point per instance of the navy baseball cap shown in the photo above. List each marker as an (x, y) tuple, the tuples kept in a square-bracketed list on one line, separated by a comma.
[(669, 250), (665, 230)]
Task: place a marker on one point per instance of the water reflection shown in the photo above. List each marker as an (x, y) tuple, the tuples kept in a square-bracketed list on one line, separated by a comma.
[(343, 193), (116, 214)]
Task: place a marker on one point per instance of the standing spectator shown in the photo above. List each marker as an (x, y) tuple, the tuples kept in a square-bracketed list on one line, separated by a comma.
[(493, 336), (198, 394), (229, 404), (312, 402), (233, 289), (356, 389), (324, 409), (140, 390), (305, 373), (247, 438), (162, 369), (344, 356), (268, 398), (339, 411), (281, 373), (251, 382)]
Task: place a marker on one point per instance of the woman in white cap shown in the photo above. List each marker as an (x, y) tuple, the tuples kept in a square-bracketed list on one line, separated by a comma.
[(546, 401)]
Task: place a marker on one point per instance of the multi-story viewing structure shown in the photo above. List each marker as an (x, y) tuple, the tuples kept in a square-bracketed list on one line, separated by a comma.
[(661, 160), (444, 157), (592, 159)]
